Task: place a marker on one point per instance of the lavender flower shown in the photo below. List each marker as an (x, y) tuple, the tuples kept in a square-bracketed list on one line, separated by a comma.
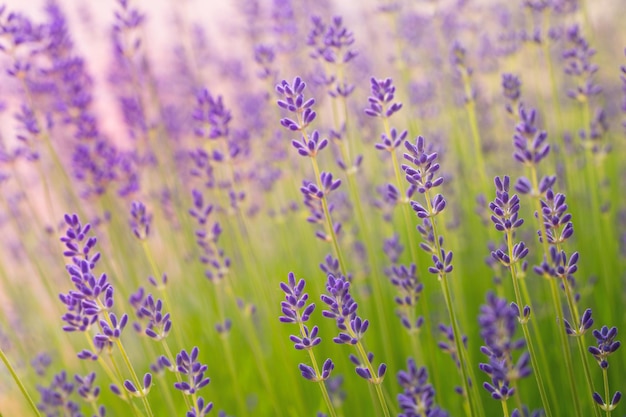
[(200, 409), (586, 321), (525, 413), (390, 144), (264, 56), (187, 365), (556, 220), (606, 346), (55, 398), (159, 324), (448, 345), (211, 115), (418, 397), (380, 102), (314, 198), (529, 142), (578, 65), (511, 90), (295, 310), (140, 220), (292, 100), (505, 207), (92, 295), (139, 391), (497, 321), (216, 263), (40, 363), (311, 146), (409, 288), (342, 309), (423, 176), (331, 42), (295, 301)]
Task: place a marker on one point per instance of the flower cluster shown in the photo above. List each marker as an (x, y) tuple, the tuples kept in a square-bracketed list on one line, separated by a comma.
[(216, 263), (292, 100), (381, 101), (140, 220), (418, 396), (511, 90), (313, 200), (422, 174), (578, 65), (212, 116), (295, 310), (497, 322), (56, 398), (343, 309), (606, 346)]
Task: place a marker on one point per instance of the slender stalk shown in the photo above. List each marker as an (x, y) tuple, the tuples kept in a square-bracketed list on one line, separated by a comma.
[(404, 201), (475, 404), (579, 340), (127, 362), (556, 301), (524, 323), (607, 401), (329, 222), (505, 409), (377, 381), (19, 383), (470, 107), (172, 359), (322, 384)]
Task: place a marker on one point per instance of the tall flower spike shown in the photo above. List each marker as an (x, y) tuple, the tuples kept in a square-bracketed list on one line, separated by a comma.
[(505, 207), (187, 364), (211, 115), (529, 142), (380, 102), (296, 310), (606, 345), (140, 220), (292, 100), (511, 90), (342, 308), (418, 396)]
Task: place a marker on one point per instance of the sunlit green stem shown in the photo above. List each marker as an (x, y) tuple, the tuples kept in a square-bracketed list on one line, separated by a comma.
[(376, 381), (19, 383), (329, 223), (127, 362), (505, 409), (470, 107), (524, 323), (472, 396), (322, 384), (172, 359)]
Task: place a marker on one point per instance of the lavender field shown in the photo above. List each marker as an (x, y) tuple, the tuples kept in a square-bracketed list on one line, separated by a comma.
[(328, 209)]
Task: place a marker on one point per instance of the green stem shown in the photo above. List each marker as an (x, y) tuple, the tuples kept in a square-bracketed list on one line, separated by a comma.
[(329, 404), (605, 377), (475, 404), (329, 222), (19, 383), (524, 323), (505, 409), (470, 107)]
